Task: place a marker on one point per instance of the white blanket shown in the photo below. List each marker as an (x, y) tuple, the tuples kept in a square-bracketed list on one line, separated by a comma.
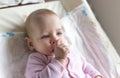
[(83, 33)]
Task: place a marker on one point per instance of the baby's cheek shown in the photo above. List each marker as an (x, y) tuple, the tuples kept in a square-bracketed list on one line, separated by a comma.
[(47, 41)]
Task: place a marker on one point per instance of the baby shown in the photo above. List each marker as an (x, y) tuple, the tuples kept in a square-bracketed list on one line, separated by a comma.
[(51, 56)]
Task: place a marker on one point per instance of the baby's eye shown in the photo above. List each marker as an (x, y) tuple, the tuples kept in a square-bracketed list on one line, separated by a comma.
[(45, 36), (59, 33)]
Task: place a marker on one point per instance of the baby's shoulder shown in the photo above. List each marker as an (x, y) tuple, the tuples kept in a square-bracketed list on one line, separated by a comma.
[(37, 58), (36, 55)]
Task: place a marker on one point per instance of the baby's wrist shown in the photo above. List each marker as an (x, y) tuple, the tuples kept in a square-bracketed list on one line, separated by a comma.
[(61, 60)]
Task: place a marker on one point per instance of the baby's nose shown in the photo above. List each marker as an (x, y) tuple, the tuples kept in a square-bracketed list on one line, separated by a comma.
[(54, 40)]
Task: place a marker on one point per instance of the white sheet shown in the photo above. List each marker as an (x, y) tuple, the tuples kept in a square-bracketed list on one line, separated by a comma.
[(88, 41)]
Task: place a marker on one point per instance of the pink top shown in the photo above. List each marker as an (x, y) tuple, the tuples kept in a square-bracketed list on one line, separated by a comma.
[(41, 66)]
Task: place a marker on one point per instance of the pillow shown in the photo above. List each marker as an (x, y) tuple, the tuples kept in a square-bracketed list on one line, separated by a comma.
[(12, 19), (6, 3), (13, 55)]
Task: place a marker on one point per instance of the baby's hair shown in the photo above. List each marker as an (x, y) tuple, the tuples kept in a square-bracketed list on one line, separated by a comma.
[(36, 17)]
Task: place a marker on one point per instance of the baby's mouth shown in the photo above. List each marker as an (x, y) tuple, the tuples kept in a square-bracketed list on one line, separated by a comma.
[(52, 50)]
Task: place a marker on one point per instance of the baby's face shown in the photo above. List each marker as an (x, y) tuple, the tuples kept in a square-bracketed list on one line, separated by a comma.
[(50, 31)]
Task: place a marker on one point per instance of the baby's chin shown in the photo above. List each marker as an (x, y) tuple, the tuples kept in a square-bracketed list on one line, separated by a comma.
[(52, 53)]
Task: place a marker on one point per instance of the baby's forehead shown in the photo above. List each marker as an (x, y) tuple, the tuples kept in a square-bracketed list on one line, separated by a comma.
[(37, 19), (43, 19), (41, 13)]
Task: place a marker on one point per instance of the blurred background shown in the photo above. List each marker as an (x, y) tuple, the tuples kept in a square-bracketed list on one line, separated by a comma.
[(107, 13)]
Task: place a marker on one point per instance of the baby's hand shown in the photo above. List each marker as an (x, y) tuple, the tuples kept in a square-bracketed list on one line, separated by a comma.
[(61, 50), (98, 76)]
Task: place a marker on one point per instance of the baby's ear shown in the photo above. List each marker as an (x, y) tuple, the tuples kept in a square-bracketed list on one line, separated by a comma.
[(29, 43)]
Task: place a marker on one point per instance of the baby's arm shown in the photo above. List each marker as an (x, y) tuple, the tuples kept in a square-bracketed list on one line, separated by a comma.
[(89, 69), (37, 67)]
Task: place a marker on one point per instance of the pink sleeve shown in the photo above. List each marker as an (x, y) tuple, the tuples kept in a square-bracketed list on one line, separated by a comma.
[(36, 68), (89, 69)]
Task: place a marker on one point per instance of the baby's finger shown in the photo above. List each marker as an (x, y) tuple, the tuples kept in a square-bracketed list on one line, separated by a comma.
[(64, 48), (64, 42), (58, 42)]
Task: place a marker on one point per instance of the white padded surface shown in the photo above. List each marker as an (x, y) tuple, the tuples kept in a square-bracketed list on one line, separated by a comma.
[(12, 19)]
